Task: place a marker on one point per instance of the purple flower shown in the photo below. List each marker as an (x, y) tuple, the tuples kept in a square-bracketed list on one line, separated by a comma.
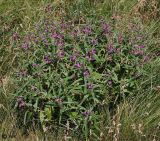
[(86, 73), (74, 33), (110, 49), (46, 45), (64, 25), (109, 83), (46, 30), (34, 65), (47, 59), (15, 36), (61, 54), (90, 55), (23, 73), (19, 99), (78, 65), (93, 52), (141, 46), (25, 46), (137, 52), (146, 58), (106, 28), (21, 103), (56, 35), (87, 30), (94, 42), (59, 43), (90, 58), (86, 113), (89, 86), (73, 58)]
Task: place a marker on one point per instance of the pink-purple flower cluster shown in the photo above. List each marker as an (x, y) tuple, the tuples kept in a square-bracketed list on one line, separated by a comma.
[(78, 65), (90, 86), (87, 30), (86, 73), (25, 46), (47, 59), (90, 55), (86, 113), (21, 102), (106, 28)]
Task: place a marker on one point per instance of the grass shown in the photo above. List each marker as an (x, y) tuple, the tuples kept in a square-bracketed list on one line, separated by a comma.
[(137, 118)]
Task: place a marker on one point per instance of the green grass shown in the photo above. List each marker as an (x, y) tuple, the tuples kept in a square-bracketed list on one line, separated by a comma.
[(138, 118)]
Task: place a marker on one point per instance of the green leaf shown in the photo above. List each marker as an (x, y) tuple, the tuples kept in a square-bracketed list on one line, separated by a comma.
[(48, 112)]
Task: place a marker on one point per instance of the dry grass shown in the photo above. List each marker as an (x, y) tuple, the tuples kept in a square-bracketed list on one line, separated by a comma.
[(21, 15)]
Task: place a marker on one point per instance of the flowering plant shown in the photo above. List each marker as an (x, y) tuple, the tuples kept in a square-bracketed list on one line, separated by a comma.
[(72, 72)]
